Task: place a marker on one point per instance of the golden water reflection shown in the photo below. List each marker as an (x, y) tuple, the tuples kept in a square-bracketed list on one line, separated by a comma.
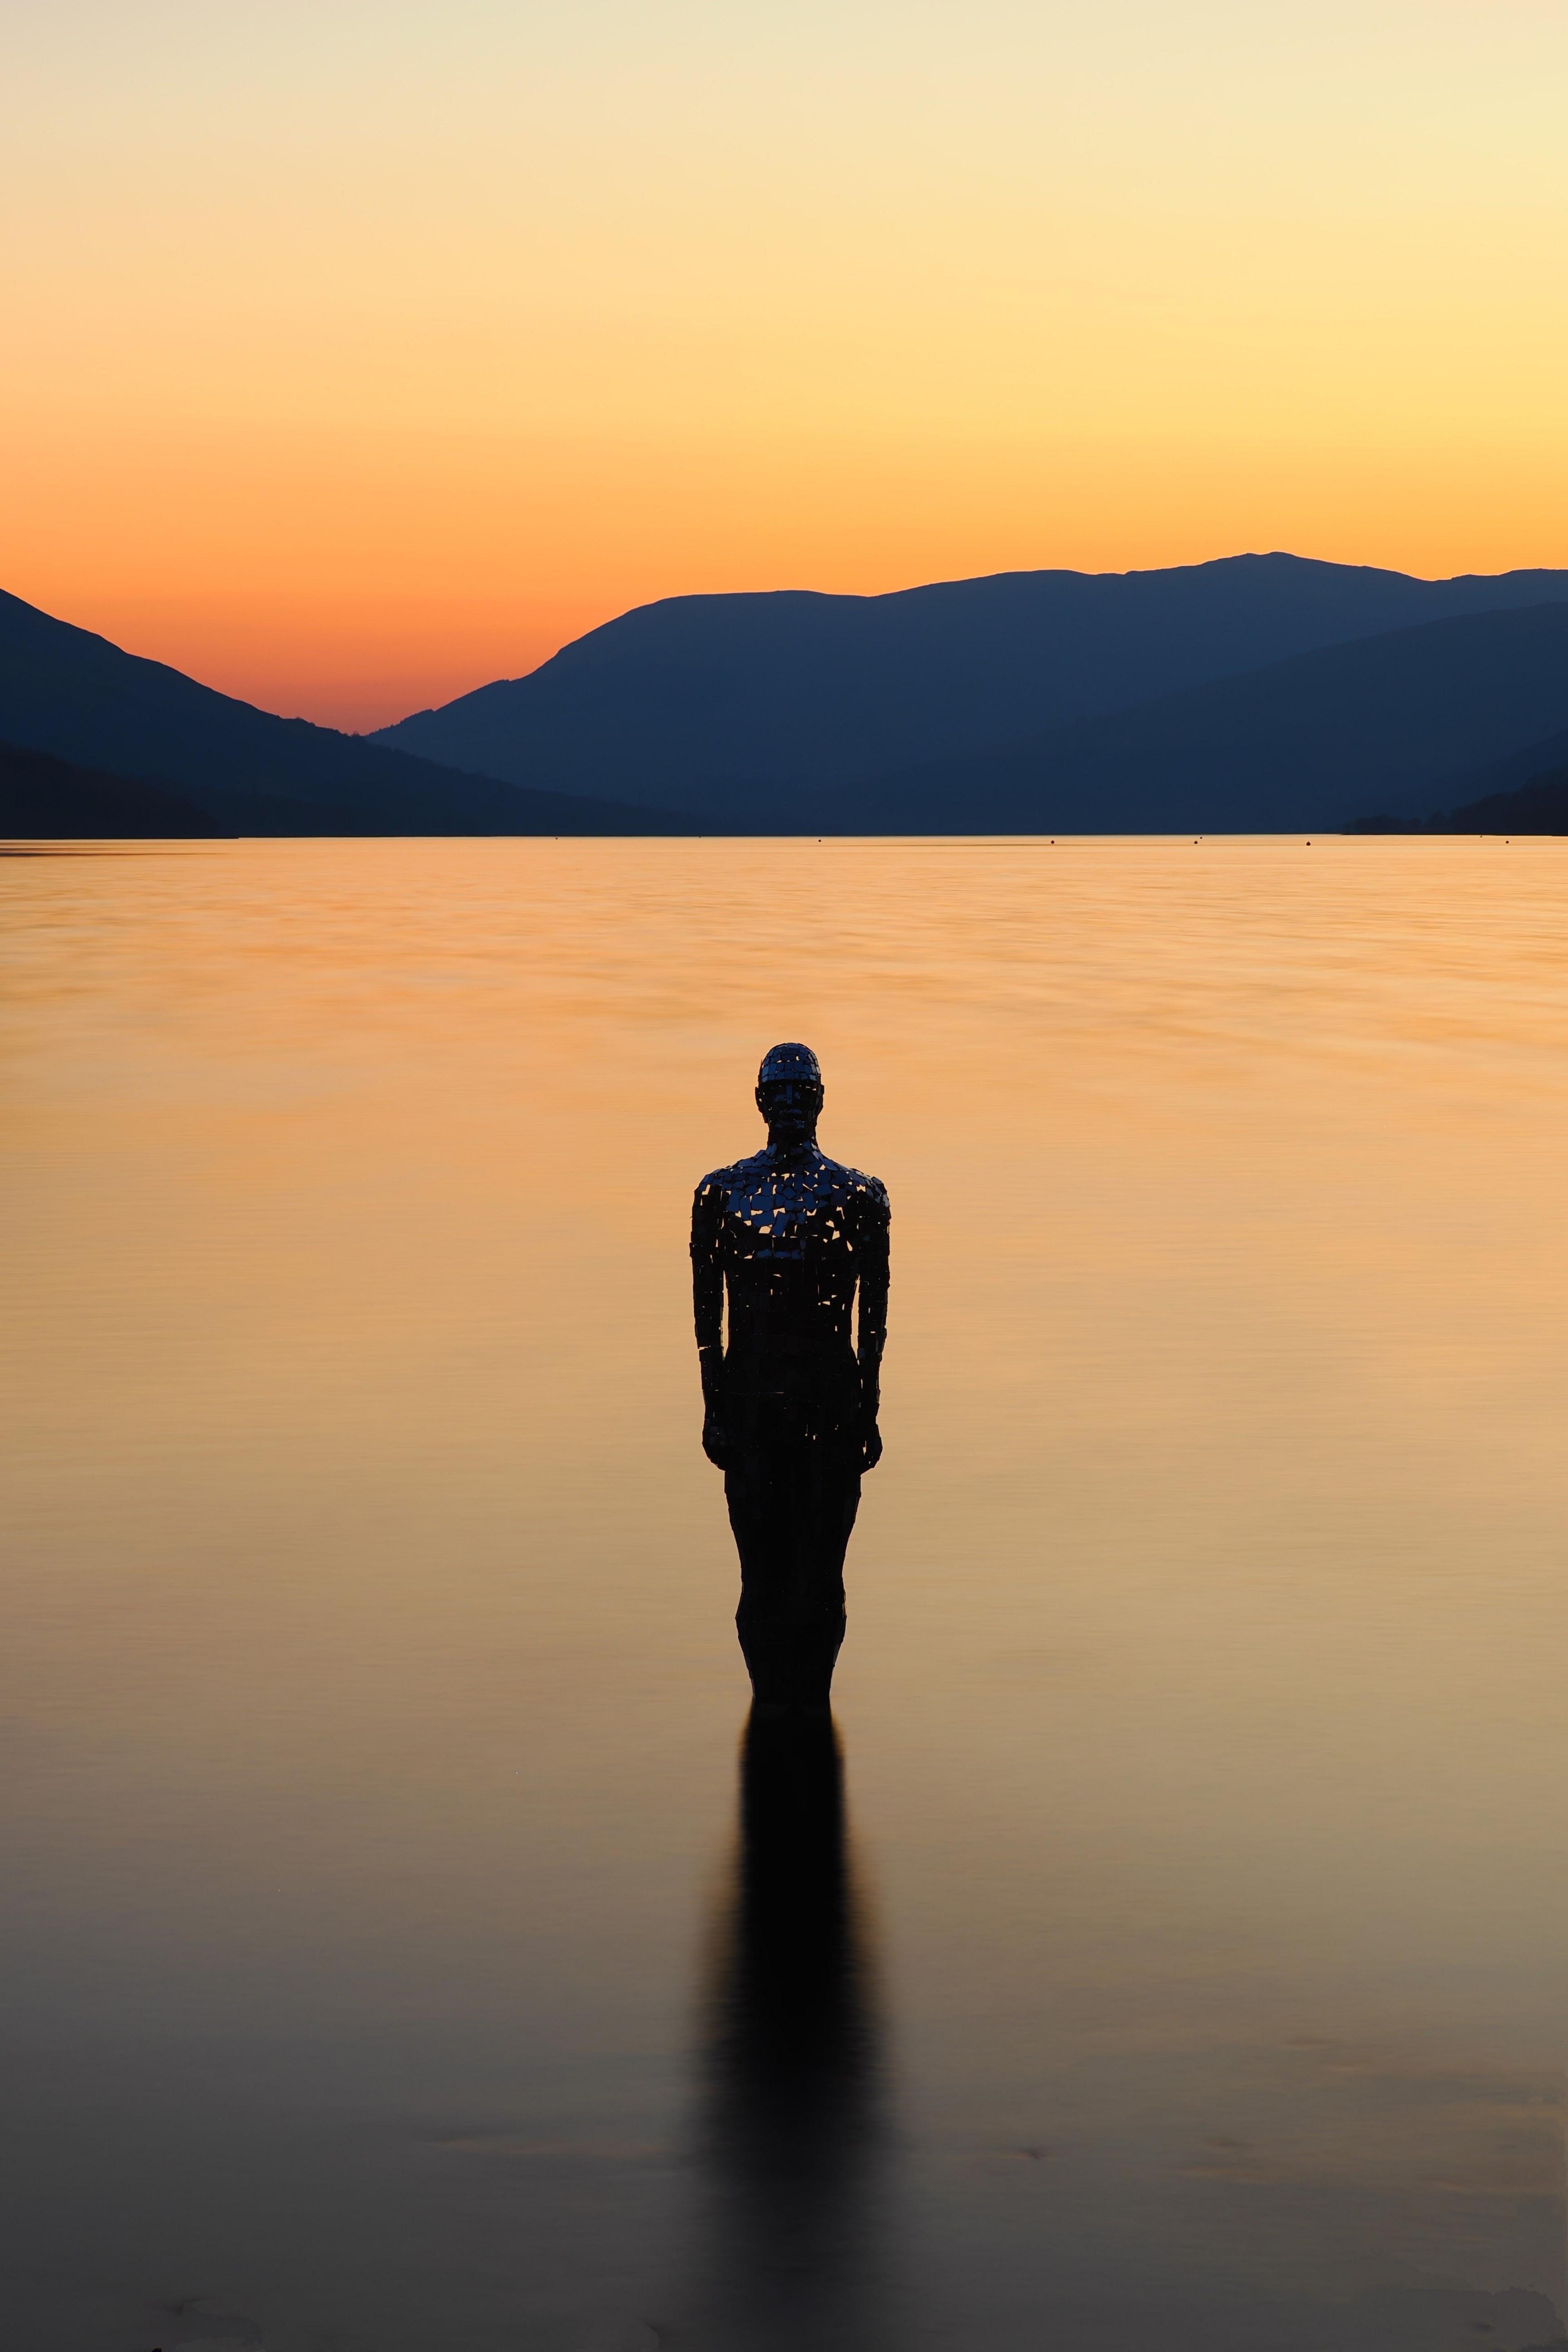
[(368, 1693)]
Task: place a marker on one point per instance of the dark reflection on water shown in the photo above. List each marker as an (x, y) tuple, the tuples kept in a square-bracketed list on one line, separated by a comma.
[(796, 2129)]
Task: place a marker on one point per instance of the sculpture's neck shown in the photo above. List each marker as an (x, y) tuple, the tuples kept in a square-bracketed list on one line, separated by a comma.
[(793, 1150)]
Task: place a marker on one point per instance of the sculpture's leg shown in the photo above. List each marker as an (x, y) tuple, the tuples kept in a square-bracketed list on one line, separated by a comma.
[(792, 1509), (759, 1519)]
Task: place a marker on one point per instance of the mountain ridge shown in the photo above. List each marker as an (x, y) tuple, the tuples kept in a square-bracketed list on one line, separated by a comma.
[(1540, 805), (719, 704), (81, 698), (1407, 721), (1390, 722), (46, 799)]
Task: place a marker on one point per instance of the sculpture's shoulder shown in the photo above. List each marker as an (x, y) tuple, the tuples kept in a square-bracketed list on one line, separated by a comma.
[(867, 1194), (720, 1186), (719, 1183)]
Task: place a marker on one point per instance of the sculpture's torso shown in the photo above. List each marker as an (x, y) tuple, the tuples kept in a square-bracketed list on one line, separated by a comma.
[(790, 1232)]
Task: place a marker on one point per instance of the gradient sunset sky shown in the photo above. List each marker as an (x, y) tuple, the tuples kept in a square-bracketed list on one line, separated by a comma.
[(357, 355)]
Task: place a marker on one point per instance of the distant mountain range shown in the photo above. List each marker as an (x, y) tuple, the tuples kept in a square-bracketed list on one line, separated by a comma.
[(228, 767), (1398, 722), (1540, 806), (1258, 693), (50, 799)]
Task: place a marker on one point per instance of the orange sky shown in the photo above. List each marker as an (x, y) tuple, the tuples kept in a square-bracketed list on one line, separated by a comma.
[(356, 355)]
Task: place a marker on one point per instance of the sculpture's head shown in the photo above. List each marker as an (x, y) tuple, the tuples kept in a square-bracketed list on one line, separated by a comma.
[(789, 1093)]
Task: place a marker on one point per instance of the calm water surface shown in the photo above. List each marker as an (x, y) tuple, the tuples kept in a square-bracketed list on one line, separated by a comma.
[(395, 1960)]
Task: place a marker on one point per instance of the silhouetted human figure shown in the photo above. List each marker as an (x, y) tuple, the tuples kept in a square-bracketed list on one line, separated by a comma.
[(790, 1403)]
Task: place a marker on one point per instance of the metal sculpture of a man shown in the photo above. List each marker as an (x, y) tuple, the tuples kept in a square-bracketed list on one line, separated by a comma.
[(790, 1402)]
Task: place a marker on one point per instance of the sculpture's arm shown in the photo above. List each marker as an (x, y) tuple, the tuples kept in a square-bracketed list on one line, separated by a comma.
[(871, 1334), (707, 1310)]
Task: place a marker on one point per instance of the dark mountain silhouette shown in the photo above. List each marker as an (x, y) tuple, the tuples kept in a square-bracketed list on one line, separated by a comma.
[(45, 799), (1507, 774), (1385, 723), (1406, 720), (75, 696), (1539, 806), (736, 706)]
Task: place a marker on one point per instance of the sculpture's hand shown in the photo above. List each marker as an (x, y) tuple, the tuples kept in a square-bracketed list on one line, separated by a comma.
[(870, 1404), (715, 1440), (871, 1435)]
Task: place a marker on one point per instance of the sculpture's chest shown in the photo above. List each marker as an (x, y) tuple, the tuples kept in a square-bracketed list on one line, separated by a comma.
[(790, 1217)]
